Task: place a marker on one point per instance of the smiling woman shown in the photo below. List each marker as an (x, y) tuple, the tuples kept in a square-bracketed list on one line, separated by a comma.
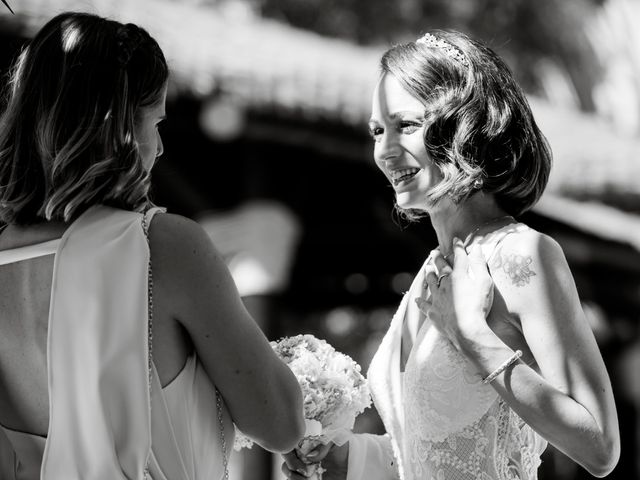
[(397, 127), (489, 357)]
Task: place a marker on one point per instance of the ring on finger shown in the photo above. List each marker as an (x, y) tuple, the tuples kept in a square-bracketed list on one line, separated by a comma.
[(440, 277)]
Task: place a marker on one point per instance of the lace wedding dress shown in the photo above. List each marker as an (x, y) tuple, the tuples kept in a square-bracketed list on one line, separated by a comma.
[(442, 422)]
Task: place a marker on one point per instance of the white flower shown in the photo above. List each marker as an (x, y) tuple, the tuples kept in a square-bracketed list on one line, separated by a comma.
[(334, 391)]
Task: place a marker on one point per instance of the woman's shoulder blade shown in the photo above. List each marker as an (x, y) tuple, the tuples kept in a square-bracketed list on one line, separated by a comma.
[(177, 234), (183, 251), (169, 225)]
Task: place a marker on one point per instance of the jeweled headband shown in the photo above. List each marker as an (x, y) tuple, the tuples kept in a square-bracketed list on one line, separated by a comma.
[(430, 40)]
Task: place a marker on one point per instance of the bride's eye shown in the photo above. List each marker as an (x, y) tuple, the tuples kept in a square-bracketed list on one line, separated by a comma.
[(376, 132), (409, 127)]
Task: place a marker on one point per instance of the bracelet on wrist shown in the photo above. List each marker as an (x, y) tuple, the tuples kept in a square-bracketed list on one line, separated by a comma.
[(510, 361)]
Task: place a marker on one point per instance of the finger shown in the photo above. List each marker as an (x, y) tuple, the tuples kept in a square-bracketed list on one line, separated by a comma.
[(430, 267), (292, 474), (431, 279), (423, 305), (293, 461), (440, 262), (291, 454), (462, 259), (317, 454)]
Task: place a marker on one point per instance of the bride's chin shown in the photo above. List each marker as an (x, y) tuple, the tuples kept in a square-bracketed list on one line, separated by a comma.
[(412, 204)]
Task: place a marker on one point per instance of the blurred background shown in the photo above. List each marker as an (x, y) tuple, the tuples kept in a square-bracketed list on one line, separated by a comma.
[(266, 146)]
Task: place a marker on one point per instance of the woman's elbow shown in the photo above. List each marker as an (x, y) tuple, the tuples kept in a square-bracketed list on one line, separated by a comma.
[(289, 425), (604, 460), (286, 434), (288, 438), (295, 424)]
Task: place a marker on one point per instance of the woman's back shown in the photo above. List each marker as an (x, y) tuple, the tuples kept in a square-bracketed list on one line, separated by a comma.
[(184, 423), (24, 311)]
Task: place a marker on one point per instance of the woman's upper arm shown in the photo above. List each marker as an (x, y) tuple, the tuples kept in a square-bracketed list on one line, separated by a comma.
[(534, 280), (259, 389)]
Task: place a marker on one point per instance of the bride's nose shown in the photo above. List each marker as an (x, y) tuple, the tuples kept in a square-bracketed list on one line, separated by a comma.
[(388, 149)]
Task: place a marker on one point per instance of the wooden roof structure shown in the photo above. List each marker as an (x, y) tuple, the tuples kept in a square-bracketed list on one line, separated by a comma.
[(264, 64)]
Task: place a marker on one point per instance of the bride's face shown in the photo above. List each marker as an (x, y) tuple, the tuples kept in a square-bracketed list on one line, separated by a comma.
[(397, 127)]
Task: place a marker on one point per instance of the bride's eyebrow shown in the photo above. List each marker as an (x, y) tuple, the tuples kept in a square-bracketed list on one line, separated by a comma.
[(407, 113)]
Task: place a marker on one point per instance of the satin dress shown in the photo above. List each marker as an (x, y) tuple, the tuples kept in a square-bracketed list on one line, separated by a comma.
[(109, 416)]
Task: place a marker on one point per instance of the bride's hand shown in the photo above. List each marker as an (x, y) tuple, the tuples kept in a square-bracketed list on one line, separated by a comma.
[(334, 462), (461, 297)]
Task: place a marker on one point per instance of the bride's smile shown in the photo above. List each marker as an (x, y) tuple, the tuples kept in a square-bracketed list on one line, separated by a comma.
[(397, 127)]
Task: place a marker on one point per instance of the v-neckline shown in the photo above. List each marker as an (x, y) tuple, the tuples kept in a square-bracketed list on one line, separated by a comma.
[(422, 318)]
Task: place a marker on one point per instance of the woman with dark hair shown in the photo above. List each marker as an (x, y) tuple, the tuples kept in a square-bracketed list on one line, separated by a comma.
[(489, 355), (125, 350)]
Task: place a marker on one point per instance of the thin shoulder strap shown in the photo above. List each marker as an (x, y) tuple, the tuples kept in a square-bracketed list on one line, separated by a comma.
[(491, 247), (29, 251), (148, 216)]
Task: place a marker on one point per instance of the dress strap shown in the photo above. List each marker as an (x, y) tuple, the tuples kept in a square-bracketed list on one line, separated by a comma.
[(491, 241), (29, 251), (148, 215)]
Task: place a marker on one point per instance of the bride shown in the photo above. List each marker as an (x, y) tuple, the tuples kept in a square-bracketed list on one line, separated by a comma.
[(489, 356)]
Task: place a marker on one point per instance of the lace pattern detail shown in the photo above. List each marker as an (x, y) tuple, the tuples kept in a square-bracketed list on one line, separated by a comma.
[(518, 447), (498, 446), (445, 424), (443, 393)]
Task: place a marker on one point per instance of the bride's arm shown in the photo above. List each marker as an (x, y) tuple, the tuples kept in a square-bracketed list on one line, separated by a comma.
[(567, 398)]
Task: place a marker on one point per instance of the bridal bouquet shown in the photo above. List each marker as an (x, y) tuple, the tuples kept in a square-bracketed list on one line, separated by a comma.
[(333, 389)]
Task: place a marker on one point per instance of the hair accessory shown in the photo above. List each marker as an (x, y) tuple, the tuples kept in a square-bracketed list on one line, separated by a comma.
[(477, 184), (129, 39), (510, 361), (430, 40)]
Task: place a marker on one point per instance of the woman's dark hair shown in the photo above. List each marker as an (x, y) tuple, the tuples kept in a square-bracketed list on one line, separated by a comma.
[(67, 132), (479, 130)]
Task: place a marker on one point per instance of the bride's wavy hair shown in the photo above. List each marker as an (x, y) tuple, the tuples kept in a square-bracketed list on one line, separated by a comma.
[(479, 129), (67, 131)]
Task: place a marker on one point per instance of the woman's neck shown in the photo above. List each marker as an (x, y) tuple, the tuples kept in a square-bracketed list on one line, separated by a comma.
[(466, 220)]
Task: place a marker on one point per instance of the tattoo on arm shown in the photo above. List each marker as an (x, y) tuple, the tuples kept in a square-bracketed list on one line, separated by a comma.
[(515, 266)]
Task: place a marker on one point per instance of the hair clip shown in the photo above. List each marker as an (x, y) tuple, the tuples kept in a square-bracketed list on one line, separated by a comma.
[(129, 39), (430, 40)]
